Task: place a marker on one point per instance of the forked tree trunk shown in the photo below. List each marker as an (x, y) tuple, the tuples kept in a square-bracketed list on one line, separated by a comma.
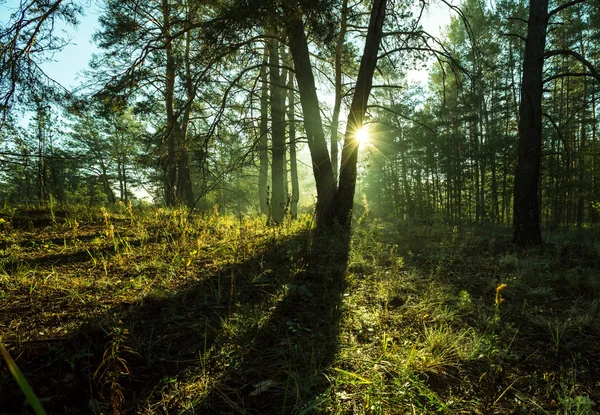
[(345, 194), (332, 203), (526, 209)]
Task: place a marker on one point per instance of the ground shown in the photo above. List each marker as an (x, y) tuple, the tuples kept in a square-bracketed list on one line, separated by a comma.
[(155, 311)]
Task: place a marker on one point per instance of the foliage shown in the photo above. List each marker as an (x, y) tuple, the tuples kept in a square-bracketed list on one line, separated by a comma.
[(22, 382)]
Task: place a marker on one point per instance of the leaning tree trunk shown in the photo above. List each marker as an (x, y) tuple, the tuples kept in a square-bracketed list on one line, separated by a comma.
[(526, 205), (313, 124), (338, 89), (345, 193)]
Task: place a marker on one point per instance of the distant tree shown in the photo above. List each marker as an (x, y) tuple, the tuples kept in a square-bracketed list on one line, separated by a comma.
[(149, 46), (107, 143)]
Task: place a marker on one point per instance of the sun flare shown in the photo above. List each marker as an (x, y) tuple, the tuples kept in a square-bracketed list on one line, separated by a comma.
[(362, 136)]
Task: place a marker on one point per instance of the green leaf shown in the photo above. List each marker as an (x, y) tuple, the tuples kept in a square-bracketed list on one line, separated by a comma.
[(22, 382)]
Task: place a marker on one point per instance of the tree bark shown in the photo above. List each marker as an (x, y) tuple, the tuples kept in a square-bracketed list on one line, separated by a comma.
[(169, 107), (277, 135), (293, 160), (338, 90), (526, 212), (185, 191), (321, 163), (263, 166)]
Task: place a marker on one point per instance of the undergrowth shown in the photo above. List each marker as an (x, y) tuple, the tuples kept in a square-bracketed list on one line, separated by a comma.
[(155, 311)]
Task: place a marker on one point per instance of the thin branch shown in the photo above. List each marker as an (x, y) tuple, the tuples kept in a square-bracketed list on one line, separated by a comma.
[(565, 75), (559, 135), (577, 56), (518, 19), (564, 6), (401, 116), (523, 38)]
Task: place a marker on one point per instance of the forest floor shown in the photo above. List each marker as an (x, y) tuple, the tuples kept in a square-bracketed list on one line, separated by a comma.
[(152, 312)]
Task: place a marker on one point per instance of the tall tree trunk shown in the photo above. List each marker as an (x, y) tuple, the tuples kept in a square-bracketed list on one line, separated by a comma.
[(41, 173), (263, 142), (595, 191), (581, 162), (120, 178), (283, 79), (293, 160), (490, 121), (583, 138), (277, 135), (321, 163), (169, 107), (338, 89), (358, 108), (124, 176), (108, 191), (410, 204), (526, 216), (185, 191)]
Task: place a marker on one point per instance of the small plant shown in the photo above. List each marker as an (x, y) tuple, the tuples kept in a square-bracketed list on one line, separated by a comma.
[(498, 300), (113, 367), (576, 405)]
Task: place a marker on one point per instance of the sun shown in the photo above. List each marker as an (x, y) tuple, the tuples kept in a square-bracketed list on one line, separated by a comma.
[(362, 136)]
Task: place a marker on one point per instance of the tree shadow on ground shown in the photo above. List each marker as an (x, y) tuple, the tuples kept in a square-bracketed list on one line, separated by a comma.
[(284, 369), (271, 318)]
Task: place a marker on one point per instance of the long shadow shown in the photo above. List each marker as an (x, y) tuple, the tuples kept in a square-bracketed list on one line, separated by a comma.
[(123, 243), (285, 369), (129, 357)]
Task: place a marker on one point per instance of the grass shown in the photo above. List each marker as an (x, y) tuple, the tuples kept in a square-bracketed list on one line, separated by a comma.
[(143, 311)]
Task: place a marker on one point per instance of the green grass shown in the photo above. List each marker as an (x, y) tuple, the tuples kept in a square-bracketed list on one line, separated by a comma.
[(142, 311)]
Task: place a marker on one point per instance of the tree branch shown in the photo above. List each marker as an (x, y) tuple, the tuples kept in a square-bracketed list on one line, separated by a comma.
[(523, 38), (577, 56), (564, 6), (559, 135), (565, 75)]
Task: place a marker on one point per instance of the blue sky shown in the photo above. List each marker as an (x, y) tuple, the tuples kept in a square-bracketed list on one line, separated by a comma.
[(76, 56), (65, 65)]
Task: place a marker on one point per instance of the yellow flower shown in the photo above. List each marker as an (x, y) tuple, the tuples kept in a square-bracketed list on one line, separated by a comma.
[(499, 298)]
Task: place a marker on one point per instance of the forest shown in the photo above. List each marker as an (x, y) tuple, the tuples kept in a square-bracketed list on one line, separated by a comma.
[(300, 206)]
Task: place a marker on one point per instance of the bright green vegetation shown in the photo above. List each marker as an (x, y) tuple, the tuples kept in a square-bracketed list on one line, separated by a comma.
[(152, 312)]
